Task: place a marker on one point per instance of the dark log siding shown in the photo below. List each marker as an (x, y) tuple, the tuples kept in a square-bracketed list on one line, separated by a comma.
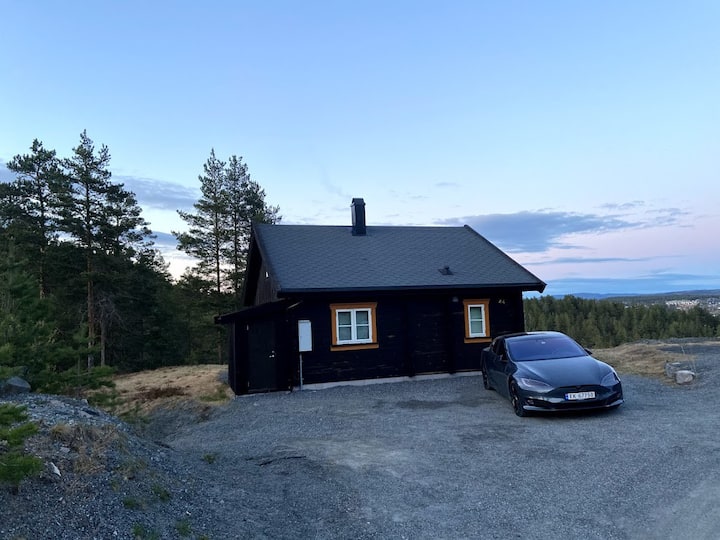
[(266, 290), (418, 333)]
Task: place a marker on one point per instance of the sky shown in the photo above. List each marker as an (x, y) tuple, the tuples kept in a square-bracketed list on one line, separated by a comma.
[(583, 138)]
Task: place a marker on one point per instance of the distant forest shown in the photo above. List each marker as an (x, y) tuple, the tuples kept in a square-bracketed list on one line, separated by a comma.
[(608, 323), (83, 289)]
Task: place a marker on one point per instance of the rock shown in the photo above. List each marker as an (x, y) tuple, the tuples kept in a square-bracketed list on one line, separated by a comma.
[(14, 385), (684, 376), (671, 368), (53, 469)]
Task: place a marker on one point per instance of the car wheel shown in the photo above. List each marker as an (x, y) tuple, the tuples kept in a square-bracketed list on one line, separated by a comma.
[(515, 400), (486, 381)]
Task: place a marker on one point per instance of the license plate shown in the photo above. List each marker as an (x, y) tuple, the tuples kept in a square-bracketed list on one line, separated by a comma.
[(575, 396)]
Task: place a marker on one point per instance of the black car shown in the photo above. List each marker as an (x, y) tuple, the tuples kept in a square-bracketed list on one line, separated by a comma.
[(548, 371)]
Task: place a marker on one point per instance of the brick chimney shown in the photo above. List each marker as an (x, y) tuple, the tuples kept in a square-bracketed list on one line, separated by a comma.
[(358, 217)]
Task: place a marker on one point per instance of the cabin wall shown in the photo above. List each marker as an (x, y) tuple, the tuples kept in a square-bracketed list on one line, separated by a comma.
[(265, 289), (417, 334)]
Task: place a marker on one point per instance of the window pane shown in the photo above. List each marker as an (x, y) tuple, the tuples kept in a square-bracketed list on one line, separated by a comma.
[(476, 313), (476, 320), (361, 317), (344, 333), (477, 327), (363, 332), (344, 318)]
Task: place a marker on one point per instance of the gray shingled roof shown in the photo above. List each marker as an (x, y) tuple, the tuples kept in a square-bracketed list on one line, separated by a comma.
[(304, 258)]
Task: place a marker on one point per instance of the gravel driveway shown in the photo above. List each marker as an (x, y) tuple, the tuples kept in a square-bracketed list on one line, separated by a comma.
[(447, 459)]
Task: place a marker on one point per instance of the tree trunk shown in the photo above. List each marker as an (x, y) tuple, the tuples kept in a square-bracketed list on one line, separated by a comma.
[(91, 315), (103, 341)]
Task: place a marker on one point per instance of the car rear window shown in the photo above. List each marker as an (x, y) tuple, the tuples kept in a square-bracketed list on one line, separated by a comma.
[(543, 348)]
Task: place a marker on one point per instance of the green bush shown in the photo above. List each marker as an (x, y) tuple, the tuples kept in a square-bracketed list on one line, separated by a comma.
[(183, 528), (15, 466), (74, 382)]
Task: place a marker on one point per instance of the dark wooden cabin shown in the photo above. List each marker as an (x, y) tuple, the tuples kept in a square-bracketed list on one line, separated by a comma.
[(340, 303)]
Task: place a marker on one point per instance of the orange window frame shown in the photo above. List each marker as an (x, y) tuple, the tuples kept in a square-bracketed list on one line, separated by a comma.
[(485, 304), (372, 308)]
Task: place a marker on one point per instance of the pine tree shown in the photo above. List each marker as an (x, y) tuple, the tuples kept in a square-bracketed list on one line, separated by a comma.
[(220, 230), (84, 213), (220, 226), (32, 205), (207, 233), (245, 205)]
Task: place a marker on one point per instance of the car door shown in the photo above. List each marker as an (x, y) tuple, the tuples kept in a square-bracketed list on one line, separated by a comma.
[(497, 366)]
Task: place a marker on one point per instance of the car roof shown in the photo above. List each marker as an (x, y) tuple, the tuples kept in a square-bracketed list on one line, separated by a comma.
[(532, 335)]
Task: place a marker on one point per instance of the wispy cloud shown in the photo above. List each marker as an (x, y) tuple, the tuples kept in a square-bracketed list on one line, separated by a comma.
[(159, 194), (150, 193), (588, 260), (623, 207), (538, 231), (447, 184), (666, 216), (334, 189), (165, 241)]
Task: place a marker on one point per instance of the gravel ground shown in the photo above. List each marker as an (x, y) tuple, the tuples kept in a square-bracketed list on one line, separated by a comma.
[(423, 459)]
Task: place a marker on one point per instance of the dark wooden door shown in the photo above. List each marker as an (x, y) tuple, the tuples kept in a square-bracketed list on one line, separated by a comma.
[(262, 363), (427, 333)]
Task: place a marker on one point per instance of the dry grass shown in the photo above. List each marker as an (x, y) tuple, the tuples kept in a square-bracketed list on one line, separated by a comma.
[(89, 442), (145, 391), (646, 359)]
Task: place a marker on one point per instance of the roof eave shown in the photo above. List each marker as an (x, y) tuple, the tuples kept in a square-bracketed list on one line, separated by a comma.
[(524, 287)]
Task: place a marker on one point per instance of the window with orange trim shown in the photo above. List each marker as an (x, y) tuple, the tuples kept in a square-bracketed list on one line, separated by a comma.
[(354, 325), (477, 324)]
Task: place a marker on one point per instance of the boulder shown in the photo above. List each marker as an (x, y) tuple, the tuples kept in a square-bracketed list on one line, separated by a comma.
[(684, 376), (671, 368), (14, 385)]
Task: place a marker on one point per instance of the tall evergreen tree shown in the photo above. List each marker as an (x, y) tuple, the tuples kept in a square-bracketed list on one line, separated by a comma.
[(35, 198), (220, 227), (245, 205), (207, 233), (84, 213), (124, 231)]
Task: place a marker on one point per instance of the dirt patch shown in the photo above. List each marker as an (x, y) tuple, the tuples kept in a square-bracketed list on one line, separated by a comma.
[(646, 359), (145, 391)]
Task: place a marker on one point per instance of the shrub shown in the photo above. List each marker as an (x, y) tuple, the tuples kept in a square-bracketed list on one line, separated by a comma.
[(183, 528), (15, 466)]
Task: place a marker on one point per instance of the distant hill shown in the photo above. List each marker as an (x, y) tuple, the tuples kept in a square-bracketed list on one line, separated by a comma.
[(707, 299)]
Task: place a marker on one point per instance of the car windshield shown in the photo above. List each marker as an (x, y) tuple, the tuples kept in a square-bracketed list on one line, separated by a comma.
[(543, 348)]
